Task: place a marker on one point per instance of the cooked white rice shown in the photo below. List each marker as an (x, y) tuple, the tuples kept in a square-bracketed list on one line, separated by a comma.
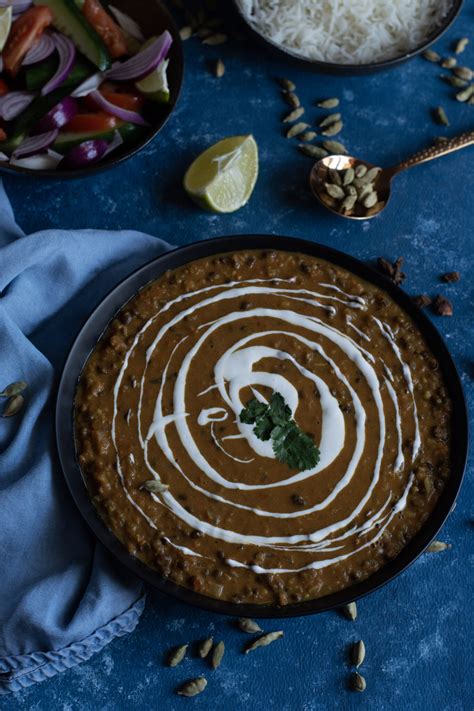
[(346, 31)]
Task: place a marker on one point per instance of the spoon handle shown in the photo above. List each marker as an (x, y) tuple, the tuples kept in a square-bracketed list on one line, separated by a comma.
[(441, 149)]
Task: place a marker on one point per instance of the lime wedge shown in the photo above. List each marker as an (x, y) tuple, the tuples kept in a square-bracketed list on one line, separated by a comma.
[(223, 177), (5, 24), (155, 85)]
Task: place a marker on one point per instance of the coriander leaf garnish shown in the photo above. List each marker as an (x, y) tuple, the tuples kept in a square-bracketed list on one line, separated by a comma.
[(273, 421), (254, 409)]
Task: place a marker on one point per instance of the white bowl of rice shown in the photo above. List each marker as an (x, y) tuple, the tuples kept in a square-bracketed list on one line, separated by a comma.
[(349, 35)]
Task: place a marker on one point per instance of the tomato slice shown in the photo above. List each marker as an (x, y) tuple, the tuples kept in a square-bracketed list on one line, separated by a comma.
[(3, 135), (25, 31), (114, 38), (126, 100), (92, 123), (4, 88)]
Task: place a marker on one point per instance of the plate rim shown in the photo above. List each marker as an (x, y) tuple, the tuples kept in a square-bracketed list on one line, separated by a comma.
[(114, 300)]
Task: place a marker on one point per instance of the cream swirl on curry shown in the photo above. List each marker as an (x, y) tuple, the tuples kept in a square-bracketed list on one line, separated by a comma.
[(162, 395)]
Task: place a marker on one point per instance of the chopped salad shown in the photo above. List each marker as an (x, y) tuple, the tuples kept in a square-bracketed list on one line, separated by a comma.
[(77, 81)]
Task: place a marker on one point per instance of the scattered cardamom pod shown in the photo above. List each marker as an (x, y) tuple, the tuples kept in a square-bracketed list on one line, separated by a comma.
[(348, 203), (333, 129), (463, 73), (335, 147), (292, 100), (193, 687), (329, 120), (350, 611), (14, 389), (264, 640), (437, 547), (286, 84), (454, 81), (177, 655), (449, 62), (370, 199), (358, 653), (461, 45), (349, 175), (296, 129), (308, 136), (313, 151), (247, 625), (358, 682), (185, 33), (465, 94), (204, 32), (205, 647), (13, 406), (217, 654), (335, 191), (215, 39), (155, 486), (219, 69), (431, 55), (294, 115), (328, 103), (440, 116)]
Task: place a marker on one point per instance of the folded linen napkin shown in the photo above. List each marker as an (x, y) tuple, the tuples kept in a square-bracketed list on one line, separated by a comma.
[(62, 597)]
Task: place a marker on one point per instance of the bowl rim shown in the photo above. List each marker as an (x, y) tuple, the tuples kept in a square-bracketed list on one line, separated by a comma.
[(114, 160), (97, 322), (337, 68)]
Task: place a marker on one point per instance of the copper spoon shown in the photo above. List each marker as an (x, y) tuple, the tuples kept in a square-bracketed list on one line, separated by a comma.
[(319, 171)]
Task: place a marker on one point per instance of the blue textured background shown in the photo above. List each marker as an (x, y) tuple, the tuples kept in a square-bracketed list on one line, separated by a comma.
[(417, 630)]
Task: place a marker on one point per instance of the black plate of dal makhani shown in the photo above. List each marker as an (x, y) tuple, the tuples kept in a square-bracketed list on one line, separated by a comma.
[(200, 503)]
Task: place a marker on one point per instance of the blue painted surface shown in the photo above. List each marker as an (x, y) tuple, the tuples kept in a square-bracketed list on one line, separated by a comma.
[(417, 630)]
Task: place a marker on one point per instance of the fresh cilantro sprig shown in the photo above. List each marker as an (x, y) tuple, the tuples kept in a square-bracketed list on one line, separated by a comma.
[(273, 421)]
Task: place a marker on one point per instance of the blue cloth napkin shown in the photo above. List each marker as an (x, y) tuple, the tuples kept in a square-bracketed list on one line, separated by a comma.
[(62, 596)]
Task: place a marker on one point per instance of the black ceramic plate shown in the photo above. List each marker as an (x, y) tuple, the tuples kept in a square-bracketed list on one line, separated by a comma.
[(112, 303), (153, 18), (353, 68)]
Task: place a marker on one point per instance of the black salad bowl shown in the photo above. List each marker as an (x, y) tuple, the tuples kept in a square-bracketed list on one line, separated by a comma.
[(153, 18), (113, 302)]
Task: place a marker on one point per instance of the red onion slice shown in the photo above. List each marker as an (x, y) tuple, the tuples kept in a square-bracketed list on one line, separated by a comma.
[(115, 143), (114, 110), (86, 152), (13, 103), (42, 49), (41, 161), (67, 54), (18, 6), (3, 157), (91, 83), (58, 116), (127, 24), (144, 62), (35, 144)]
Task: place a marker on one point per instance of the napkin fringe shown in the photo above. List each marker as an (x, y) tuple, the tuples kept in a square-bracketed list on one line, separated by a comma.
[(20, 671)]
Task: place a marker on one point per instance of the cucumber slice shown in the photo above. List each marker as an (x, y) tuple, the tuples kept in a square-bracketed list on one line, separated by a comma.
[(37, 75), (69, 19), (66, 140)]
